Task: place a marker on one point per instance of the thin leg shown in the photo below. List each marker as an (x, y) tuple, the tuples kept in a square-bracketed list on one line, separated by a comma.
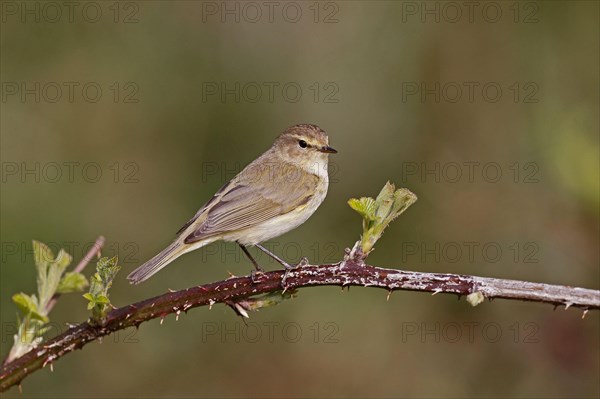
[(287, 266), (283, 263), (256, 266)]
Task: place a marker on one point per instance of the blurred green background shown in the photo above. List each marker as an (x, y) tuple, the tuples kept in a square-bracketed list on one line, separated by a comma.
[(170, 99)]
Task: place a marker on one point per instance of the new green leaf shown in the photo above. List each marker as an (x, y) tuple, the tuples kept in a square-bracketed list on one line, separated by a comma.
[(378, 213), (72, 282), (51, 280), (98, 302)]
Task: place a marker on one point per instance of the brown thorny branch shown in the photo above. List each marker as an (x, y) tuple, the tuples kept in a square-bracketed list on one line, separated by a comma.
[(235, 291)]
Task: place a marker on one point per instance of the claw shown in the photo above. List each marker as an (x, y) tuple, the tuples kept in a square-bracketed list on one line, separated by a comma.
[(288, 269), (254, 274), (303, 262)]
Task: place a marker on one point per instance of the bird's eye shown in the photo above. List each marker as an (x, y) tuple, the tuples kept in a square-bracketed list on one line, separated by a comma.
[(302, 144)]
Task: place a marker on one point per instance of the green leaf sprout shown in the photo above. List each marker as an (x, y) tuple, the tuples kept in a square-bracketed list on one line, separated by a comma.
[(51, 280), (378, 213), (100, 283)]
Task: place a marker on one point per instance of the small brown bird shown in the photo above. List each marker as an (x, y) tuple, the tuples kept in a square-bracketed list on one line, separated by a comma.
[(274, 194)]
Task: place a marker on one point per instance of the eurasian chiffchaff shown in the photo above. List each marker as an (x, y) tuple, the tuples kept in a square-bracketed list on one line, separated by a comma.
[(274, 194)]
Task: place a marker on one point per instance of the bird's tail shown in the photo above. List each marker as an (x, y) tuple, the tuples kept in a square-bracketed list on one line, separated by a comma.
[(166, 256)]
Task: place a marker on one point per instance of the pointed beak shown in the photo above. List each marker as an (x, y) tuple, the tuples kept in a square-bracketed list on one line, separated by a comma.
[(328, 150)]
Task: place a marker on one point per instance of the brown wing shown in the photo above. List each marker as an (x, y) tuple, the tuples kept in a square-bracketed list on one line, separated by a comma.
[(254, 196), (209, 203)]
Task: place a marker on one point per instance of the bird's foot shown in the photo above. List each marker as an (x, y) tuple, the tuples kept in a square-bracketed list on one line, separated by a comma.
[(303, 262), (255, 275), (288, 268)]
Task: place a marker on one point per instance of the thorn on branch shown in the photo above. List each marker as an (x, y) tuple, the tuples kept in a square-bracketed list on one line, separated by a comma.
[(585, 312)]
